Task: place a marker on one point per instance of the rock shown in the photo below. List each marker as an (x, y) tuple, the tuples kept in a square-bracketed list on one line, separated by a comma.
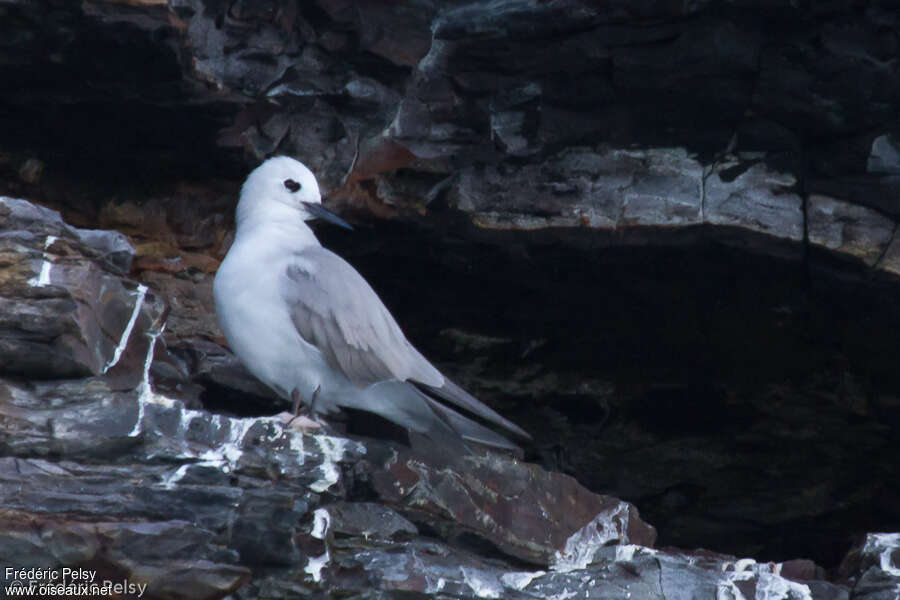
[(188, 497), (602, 189), (194, 501), (67, 310), (572, 185), (540, 517), (874, 566), (890, 260), (885, 156), (753, 197), (628, 570), (849, 229), (210, 363), (368, 520), (25, 220), (160, 518), (31, 170), (611, 189), (365, 106)]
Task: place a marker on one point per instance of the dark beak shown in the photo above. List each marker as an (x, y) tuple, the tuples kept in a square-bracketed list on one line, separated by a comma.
[(320, 212)]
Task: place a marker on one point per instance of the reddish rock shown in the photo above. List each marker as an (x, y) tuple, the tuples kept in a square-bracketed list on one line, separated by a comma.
[(524, 510)]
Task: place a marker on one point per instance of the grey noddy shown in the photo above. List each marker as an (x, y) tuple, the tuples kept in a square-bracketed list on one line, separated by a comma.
[(308, 325)]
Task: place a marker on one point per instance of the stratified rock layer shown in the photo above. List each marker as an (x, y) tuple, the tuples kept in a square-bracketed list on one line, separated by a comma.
[(529, 114), (66, 308), (197, 505), (103, 473), (564, 195)]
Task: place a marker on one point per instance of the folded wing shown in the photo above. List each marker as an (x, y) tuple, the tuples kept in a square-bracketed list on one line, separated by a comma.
[(338, 312)]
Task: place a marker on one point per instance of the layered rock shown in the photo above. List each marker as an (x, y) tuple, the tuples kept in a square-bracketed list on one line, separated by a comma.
[(68, 309), (607, 117), (563, 195), (134, 486), (105, 474)]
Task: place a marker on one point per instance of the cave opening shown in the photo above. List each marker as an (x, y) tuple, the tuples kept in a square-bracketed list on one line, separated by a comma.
[(745, 401)]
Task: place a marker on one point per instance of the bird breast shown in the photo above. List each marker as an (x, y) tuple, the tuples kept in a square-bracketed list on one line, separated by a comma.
[(261, 333)]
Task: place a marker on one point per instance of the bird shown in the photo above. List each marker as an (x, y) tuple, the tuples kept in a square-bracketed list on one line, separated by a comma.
[(304, 321)]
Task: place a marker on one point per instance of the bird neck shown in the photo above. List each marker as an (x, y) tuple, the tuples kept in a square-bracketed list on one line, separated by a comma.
[(276, 222)]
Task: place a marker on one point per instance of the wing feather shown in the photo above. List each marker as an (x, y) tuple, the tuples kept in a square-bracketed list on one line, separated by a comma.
[(338, 312)]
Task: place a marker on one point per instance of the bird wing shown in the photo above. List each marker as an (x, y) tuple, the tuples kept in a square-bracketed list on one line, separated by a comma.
[(338, 312)]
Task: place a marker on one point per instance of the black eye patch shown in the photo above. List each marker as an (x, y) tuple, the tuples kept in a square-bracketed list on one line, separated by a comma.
[(292, 185)]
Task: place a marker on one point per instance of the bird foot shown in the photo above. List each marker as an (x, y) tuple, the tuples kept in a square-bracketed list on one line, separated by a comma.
[(298, 421), (299, 417)]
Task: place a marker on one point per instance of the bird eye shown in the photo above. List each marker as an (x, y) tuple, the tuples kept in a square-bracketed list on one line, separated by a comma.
[(292, 185)]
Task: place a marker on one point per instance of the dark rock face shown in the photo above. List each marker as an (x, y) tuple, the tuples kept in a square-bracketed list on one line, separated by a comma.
[(662, 238), (196, 505), (702, 402), (64, 314), (189, 502)]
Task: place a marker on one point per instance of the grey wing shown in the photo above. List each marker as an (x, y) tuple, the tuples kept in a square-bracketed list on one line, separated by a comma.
[(338, 312)]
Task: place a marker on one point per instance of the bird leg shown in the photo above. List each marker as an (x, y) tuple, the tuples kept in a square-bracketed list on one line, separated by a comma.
[(295, 396), (312, 403), (304, 421)]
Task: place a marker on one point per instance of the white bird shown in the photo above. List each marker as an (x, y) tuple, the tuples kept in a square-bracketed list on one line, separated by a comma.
[(308, 325)]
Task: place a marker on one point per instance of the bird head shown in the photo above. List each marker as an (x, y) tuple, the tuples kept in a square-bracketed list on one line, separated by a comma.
[(281, 180)]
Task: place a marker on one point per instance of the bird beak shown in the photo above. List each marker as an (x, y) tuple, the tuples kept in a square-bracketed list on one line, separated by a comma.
[(320, 212)]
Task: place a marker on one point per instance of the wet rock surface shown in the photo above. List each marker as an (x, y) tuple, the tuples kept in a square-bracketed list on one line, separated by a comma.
[(133, 485), (662, 238)]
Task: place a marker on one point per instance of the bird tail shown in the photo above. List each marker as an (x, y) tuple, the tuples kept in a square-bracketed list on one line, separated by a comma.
[(452, 393), (407, 406)]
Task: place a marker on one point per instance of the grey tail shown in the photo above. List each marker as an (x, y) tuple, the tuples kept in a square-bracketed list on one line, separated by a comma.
[(459, 397), (468, 429), (410, 407)]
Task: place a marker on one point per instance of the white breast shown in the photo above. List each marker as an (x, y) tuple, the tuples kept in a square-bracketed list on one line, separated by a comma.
[(256, 321)]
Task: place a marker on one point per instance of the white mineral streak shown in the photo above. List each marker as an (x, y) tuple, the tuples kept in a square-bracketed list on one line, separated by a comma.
[(169, 481), (884, 544), (141, 293), (770, 585), (316, 564), (727, 588), (44, 277), (626, 552), (563, 595), (581, 546), (145, 390), (321, 523), (485, 585), (332, 449), (519, 580), (296, 443), (226, 455), (229, 452)]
